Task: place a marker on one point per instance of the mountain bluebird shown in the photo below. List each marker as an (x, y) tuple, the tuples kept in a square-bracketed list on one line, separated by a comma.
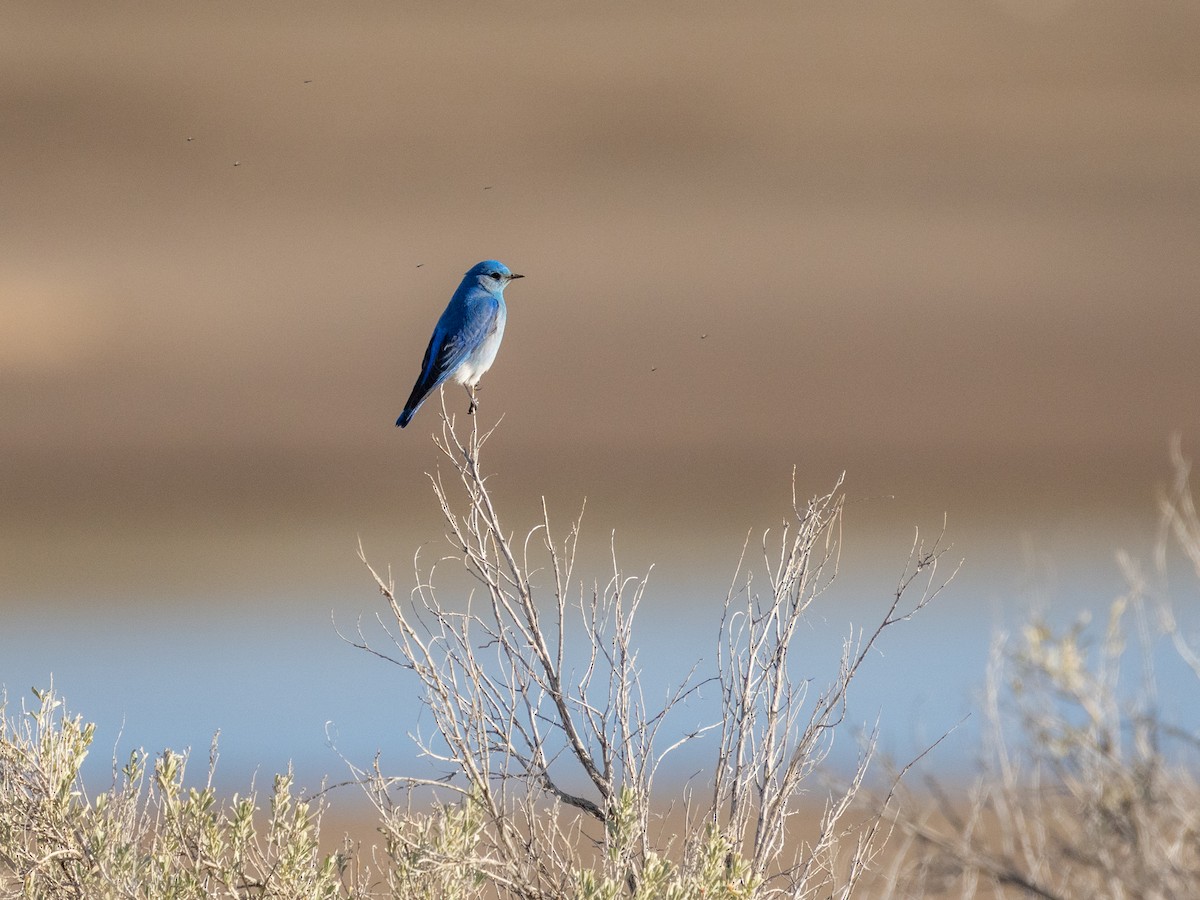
[(467, 336)]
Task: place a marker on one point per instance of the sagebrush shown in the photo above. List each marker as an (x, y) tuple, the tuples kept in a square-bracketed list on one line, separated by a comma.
[(549, 753)]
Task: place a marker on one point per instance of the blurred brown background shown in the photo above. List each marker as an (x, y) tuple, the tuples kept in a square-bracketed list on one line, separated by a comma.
[(949, 247)]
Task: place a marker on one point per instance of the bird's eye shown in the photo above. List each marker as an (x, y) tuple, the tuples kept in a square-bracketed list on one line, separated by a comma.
[(496, 275)]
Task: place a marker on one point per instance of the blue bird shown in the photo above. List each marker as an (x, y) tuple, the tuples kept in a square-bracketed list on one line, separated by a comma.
[(467, 336)]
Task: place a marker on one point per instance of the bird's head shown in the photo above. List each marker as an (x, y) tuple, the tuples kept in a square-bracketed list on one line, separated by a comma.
[(491, 275)]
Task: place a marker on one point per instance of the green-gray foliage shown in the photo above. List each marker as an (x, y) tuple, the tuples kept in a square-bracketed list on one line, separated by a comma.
[(149, 835)]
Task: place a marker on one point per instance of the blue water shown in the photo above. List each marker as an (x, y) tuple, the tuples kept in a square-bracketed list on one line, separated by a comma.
[(276, 680)]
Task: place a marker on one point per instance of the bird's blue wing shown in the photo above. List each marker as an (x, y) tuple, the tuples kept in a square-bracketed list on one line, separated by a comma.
[(451, 344), (470, 332)]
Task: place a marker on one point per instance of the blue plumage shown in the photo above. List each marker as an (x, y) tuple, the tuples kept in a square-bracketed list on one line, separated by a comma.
[(466, 337)]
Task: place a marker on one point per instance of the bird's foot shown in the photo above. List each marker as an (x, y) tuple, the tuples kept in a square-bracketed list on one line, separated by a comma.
[(474, 406)]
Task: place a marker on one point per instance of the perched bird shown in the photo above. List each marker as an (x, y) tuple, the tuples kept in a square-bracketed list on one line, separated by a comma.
[(467, 336)]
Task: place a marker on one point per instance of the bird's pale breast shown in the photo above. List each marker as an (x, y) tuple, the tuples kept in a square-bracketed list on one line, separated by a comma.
[(481, 358)]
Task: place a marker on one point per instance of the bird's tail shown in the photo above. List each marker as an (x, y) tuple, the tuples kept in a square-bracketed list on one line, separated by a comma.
[(428, 380), (420, 391)]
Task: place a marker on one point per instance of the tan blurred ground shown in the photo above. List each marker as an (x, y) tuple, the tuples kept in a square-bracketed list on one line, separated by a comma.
[(948, 246)]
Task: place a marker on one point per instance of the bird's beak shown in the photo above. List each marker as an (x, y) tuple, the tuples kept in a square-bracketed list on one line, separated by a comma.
[(514, 275)]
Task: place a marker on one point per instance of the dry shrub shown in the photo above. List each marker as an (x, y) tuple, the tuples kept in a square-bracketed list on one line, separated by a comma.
[(550, 746), (1086, 789)]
